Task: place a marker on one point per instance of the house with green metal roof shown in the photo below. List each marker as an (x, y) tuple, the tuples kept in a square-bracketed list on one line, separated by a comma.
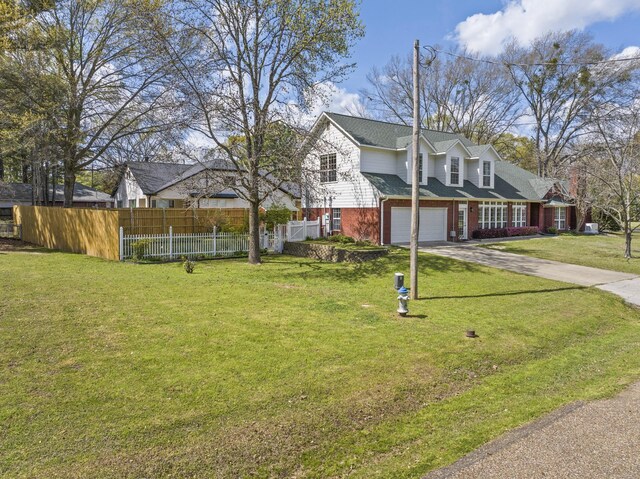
[(361, 185)]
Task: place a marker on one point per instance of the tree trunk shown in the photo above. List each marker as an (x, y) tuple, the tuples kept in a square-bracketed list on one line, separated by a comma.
[(69, 183), (627, 241), (1, 169), (254, 233)]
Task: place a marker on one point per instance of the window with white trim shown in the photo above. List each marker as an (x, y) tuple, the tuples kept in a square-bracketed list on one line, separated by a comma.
[(132, 203), (420, 165), (454, 175), (492, 214), (519, 214), (328, 172), (561, 218), (336, 225), (486, 174)]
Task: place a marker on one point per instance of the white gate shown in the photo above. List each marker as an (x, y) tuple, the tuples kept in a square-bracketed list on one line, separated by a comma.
[(301, 230)]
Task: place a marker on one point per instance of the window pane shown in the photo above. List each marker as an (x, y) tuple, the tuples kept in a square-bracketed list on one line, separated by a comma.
[(337, 219), (455, 171), (486, 173)]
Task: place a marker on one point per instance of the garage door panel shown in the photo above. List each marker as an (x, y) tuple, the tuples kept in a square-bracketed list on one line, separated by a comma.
[(433, 224)]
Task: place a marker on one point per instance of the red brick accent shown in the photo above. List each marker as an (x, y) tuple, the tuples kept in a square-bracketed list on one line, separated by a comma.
[(474, 217), (359, 223)]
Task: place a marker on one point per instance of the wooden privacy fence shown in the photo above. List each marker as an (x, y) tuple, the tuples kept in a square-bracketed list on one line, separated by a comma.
[(78, 230), (96, 231), (155, 221)]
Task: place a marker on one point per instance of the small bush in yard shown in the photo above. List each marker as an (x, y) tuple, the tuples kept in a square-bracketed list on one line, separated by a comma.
[(189, 265), (140, 249), (522, 230), (505, 232), (552, 230), (341, 239), (489, 233)]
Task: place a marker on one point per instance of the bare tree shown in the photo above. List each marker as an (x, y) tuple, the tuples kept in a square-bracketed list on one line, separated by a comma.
[(241, 64), (111, 78), (613, 166), (459, 94), (561, 83)]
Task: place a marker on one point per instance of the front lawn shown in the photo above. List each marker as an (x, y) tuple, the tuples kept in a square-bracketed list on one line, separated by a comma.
[(294, 368), (600, 251)]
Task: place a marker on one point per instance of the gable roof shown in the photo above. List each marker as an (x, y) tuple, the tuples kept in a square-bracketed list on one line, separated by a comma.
[(383, 134), (155, 177), (151, 176), (22, 193)]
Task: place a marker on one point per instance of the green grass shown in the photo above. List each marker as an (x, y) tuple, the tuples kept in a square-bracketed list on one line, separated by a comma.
[(292, 368), (601, 251)]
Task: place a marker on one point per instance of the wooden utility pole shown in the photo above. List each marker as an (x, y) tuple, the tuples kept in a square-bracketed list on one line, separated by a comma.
[(415, 174)]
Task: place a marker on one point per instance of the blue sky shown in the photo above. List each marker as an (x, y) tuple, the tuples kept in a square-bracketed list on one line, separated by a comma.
[(392, 25)]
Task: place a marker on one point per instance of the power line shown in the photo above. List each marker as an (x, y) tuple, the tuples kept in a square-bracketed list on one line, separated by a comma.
[(435, 50)]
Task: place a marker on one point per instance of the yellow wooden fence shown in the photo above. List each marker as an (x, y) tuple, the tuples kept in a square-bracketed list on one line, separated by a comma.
[(140, 221), (96, 231), (77, 230)]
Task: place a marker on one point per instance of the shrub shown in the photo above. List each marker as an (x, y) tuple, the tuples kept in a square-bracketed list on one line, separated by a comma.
[(189, 265), (140, 249), (505, 232), (522, 230), (276, 215), (489, 233), (341, 239), (552, 230)]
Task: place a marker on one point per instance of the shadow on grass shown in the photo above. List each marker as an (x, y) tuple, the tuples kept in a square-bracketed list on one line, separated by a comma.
[(510, 293), (387, 265), (9, 245)]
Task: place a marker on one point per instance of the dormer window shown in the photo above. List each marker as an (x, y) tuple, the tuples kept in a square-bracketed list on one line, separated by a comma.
[(328, 172), (454, 177), (486, 174)]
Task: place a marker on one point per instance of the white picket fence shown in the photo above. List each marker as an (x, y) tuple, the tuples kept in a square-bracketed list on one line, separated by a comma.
[(174, 246), (301, 230)]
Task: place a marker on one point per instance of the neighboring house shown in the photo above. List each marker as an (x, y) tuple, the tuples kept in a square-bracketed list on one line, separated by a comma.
[(22, 194), (171, 185), (364, 184)]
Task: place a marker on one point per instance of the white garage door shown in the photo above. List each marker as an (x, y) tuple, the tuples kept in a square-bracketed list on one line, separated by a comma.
[(433, 224)]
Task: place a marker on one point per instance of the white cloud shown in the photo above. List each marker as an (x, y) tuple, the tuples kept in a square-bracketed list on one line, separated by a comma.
[(527, 19), (326, 97), (337, 100)]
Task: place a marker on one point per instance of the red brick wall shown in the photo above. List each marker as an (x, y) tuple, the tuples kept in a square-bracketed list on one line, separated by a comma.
[(359, 223), (474, 217)]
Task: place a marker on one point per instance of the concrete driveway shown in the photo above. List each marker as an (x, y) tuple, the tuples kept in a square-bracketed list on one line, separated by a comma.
[(600, 439), (625, 285)]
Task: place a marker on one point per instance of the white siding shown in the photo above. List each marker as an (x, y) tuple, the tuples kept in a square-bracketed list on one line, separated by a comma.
[(402, 164), (458, 152), (490, 156), (351, 190), (128, 189), (472, 167), (378, 161), (427, 170), (440, 168), (180, 191)]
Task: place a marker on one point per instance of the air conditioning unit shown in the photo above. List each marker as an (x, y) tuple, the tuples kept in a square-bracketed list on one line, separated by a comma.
[(591, 228)]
